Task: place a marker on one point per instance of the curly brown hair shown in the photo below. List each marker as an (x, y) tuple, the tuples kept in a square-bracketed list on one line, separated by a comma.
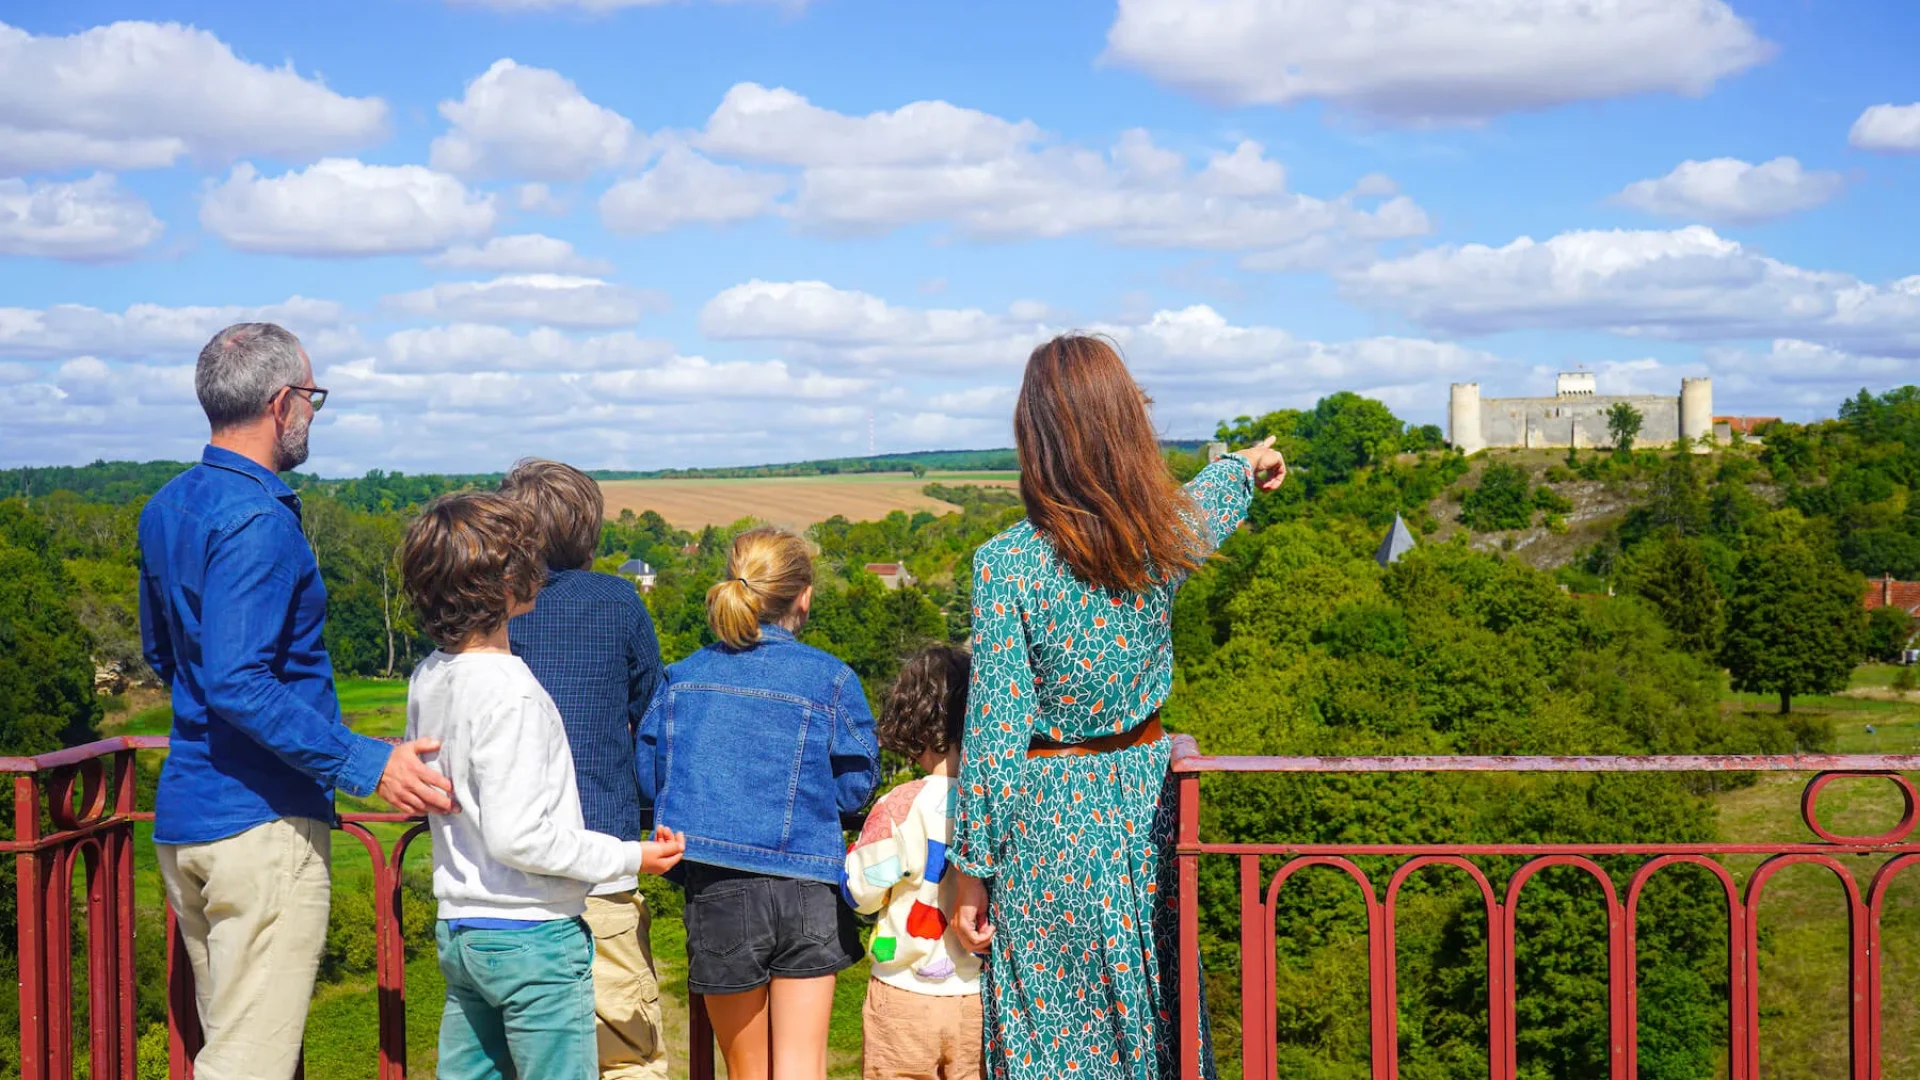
[(927, 708), (466, 559)]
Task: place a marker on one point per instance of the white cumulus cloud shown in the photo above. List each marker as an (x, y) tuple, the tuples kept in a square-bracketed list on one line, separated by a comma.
[(1135, 193), (1200, 365), (134, 95), (1893, 128), (341, 206), (814, 311), (82, 219), (526, 252), (518, 121), (695, 377), (758, 124), (1433, 61), (148, 329), (1687, 284), (1731, 191), (685, 188), (551, 299), (476, 347)]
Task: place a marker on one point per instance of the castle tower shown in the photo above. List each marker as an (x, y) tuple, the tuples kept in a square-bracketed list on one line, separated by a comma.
[(1696, 413), (1463, 419), (1575, 384)]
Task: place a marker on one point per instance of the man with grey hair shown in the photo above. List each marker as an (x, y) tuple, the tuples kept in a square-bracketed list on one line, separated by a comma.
[(232, 613)]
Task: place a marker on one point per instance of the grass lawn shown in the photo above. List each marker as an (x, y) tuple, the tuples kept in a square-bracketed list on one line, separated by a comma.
[(1803, 916)]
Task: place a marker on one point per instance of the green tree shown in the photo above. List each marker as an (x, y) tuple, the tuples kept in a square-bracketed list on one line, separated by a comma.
[(1346, 432), (1681, 585), (1888, 631), (46, 659), (1501, 501), (1794, 624), (1623, 425)]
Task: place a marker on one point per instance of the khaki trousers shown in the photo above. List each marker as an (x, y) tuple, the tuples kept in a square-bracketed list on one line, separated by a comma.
[(626, 988), (913, 1036), (253, 912)]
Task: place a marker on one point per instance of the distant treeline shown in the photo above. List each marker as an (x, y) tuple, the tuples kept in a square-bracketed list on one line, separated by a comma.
[(120, 482)]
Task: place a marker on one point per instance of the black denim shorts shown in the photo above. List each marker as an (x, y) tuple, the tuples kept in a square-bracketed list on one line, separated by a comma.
[(744, 929)]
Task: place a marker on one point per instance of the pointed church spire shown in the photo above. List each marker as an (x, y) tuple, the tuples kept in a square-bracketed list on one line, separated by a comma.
[(1397, 542)]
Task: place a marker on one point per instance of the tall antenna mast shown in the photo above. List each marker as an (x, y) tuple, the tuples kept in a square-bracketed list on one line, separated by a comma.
[(869, 432)]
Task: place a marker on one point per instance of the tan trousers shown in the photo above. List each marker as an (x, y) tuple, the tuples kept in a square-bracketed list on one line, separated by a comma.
[(913, 1036), (626, 988), (253, 911)]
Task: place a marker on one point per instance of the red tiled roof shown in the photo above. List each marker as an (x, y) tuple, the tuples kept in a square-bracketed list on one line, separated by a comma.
[(883, 569), (1881, 592), (1745, 425)]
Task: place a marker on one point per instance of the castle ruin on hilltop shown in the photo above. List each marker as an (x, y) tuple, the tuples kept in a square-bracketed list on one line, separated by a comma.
[(1577, 416)]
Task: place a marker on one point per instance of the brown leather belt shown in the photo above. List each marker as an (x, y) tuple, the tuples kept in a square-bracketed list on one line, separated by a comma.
[(1140, 735)]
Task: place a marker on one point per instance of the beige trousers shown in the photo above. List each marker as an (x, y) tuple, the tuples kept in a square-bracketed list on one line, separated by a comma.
[(626, 988), (253, 912), (913, 1036)]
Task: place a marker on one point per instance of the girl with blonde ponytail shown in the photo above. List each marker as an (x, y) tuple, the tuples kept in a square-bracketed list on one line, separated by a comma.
[(754, 747), (769, 579)]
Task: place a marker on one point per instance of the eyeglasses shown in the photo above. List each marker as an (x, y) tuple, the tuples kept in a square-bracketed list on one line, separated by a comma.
[(316, 397)]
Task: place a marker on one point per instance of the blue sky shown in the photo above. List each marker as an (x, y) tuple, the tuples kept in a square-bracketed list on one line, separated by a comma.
[(636, 235)]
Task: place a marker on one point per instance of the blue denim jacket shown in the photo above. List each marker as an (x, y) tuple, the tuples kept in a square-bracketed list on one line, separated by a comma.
[(233, 616), (755, 753)]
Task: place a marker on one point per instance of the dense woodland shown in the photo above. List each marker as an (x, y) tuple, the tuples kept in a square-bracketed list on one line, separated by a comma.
[(1743, 565)]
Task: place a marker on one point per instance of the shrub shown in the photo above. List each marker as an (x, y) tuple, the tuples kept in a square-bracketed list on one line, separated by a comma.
[(1500, 502), (1888, 630)]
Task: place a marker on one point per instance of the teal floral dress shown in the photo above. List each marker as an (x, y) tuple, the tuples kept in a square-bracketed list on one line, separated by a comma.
[(1082, 979)]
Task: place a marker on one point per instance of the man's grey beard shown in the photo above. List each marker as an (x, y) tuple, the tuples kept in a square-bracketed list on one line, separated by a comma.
[(291, 453)]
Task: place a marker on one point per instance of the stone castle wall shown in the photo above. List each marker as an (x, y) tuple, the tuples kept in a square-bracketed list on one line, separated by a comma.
[(1576, 417), (1582, 422)]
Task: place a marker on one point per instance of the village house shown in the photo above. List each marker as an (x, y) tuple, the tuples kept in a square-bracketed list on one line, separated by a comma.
[(1886, 592), (891, 574), (640, 571)]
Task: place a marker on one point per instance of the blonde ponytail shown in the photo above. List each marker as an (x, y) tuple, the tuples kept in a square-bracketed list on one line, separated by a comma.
[(767, 571)]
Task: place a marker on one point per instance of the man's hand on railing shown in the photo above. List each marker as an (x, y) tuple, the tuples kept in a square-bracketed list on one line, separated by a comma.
[(411, 785)]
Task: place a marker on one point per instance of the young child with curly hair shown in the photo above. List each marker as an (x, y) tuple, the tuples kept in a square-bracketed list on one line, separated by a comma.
[(922, 1016)]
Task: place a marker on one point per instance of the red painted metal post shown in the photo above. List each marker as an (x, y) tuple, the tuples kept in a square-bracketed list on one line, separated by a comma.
[(699, 1039), (103, 961), (184, 1037), (29, 886), (1384, 1059), (1256, 974), (124, 788), (1189, 870), (388, 953)]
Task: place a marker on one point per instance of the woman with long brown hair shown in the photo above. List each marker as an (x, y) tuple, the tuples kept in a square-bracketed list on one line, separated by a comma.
[(1064, 810)]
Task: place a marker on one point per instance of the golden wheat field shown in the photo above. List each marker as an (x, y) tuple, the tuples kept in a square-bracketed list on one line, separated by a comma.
[(794, 502)]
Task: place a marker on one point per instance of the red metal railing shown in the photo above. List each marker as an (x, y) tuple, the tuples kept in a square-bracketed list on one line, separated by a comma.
[(87, 793), (1259, 898)]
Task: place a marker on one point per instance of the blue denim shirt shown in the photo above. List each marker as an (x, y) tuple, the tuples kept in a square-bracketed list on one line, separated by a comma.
[(590, 642), (755, 753), (232, 610)]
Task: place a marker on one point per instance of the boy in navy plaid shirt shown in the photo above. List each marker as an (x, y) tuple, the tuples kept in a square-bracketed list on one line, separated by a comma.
[(591, 644)]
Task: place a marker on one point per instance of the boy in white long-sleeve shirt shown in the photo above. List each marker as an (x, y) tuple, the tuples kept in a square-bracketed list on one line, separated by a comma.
[(512, 870)]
